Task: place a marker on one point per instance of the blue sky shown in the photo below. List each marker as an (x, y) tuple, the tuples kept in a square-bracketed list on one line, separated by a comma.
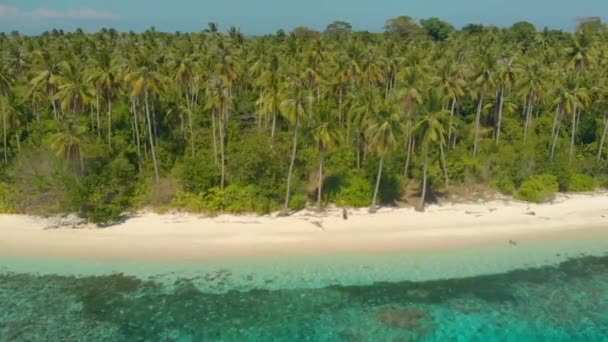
[(263, 16)]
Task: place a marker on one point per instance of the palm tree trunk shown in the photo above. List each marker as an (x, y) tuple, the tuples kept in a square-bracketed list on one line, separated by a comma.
[(214, 137), (293, 161), (152, 149), (340, 106), (573, 134), (81, 161), (274, 116), (222, 142), (98, 117), (191, 132), (424, 176), (445, 165), (477, 123), (92, 115), (54, 105), (408, 148), (554, 143), (372, 209), (109, 120), (453, 108), (136, 129), (358, 149), (555, 119), (18, 142), (500, 109), (190, 123), (4, 128), (528, 121), (320, 188), (603, 140)]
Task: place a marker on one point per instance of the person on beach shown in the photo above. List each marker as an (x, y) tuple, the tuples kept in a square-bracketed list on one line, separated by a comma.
[(344, 214)]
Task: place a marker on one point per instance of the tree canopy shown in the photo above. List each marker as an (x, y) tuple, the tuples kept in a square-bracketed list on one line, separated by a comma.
[(102, 123)]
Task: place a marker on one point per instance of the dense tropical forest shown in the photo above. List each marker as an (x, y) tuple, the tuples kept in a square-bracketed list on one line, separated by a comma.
[(100, 124)]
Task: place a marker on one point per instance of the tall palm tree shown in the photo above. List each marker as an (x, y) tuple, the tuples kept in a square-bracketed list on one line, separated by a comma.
[(146, 82), (68, 142), (6, 81), (431, 129), (382, 129), (104, 76), (296, 107), (325, 134), (484, 80)]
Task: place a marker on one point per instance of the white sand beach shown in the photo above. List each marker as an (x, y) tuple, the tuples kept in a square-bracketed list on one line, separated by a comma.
[(149, 236)]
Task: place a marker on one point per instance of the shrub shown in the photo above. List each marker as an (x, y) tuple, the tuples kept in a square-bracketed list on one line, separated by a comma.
[(234, 199), (7, 199), (103, 198), (505, 185), (357, 192), (582, 183), (538, 189), (297, 202)]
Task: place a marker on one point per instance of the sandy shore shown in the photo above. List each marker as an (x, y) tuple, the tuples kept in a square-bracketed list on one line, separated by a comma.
[(189, 237)]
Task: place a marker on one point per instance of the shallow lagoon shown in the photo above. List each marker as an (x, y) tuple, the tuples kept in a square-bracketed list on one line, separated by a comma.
[(536, 291)]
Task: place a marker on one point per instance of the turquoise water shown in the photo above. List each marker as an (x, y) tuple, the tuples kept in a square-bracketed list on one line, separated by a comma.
[(543, 291)]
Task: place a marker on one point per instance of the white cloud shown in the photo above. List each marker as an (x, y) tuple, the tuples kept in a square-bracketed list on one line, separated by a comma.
[(44, 13), (7, 11)]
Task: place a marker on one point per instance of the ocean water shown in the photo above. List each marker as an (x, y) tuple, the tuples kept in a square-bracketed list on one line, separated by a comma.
[(537, 291)]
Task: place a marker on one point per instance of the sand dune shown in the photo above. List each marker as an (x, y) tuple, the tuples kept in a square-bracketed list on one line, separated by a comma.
[(151, 236)]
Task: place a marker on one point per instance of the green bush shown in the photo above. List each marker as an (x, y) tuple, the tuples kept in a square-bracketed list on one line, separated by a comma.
[(234, 199), (104, 198), (7, 200), (357, 192), (297, 202), (582, 183), (505, 185), (538, 189)]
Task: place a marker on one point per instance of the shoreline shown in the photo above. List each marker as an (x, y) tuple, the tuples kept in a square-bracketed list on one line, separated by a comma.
[(188, 237)]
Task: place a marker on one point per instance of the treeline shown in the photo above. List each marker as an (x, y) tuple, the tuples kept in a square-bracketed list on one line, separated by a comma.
[(99, 124)]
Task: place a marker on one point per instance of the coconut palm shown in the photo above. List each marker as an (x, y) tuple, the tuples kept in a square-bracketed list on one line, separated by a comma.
[(146, 82), (325, 135), (68, 142), (484, 80), (382, 130), (296, 107), (431, 129)]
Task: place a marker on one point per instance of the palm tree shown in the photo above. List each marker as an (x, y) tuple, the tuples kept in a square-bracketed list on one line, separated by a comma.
[(68, 142), (431, 129), (145, 81), (73, 88), (6, 80), (452, 83), (532, 82), (381, 131), (47, 71), (506, 79), (325, 134), (296, 107), (484, 79), (104, 77)]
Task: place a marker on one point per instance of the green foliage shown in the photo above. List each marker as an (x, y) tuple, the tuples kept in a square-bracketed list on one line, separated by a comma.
[(7, 199), (104, 197), (505, 185), (538, 189), (582, 183), (297, 202), (206, 121), (437, 29), (356, 192), (233, 199)]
